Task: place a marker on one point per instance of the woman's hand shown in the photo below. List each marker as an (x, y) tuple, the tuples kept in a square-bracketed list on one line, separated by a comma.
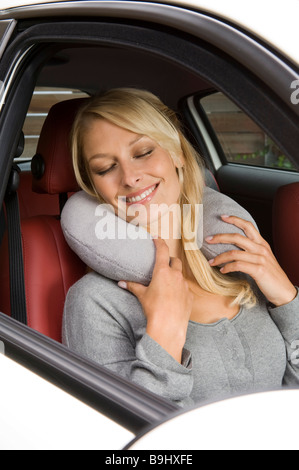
[(166, 302), (256, 259)]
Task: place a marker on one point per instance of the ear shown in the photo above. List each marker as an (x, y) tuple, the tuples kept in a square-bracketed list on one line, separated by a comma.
[(180, 161)]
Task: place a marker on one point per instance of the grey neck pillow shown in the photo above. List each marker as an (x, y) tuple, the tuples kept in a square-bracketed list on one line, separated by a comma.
[(121, 251)]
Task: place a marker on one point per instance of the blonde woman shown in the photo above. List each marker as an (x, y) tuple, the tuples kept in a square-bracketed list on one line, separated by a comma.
[(201, 330)]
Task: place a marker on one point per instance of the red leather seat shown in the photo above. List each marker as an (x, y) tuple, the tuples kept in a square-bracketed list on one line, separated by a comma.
[(286, 230), (50, 267), (31, 203)]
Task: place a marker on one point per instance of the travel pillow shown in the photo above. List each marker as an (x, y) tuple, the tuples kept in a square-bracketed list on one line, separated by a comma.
[(99, 238)]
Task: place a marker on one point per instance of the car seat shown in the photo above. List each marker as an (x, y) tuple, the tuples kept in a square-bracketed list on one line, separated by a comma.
[(33, 204), (286, 229), (50, 267)]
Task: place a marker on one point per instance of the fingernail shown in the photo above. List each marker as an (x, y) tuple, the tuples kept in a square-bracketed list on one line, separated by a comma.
[(225, 216), (211, 261), (123, 285), (209, 239)]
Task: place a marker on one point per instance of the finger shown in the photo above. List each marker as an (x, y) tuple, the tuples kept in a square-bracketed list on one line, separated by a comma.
[(234, 239), (176, 264), (234, 255), (133, 287), (240, 267), (162, 253), (248, 228)]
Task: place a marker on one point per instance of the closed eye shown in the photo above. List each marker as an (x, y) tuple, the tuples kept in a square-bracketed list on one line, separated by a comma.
[(104, 172), (145, 154)]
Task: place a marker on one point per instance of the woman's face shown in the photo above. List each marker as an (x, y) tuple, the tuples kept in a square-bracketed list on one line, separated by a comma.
[(130, 170)]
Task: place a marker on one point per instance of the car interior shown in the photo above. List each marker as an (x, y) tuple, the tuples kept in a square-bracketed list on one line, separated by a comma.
[(236, 157)]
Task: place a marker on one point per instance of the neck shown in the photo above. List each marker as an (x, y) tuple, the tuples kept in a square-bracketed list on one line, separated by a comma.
[(168, 227)]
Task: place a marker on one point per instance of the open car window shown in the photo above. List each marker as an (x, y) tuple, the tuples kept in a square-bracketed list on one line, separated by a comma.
[(241, 140)]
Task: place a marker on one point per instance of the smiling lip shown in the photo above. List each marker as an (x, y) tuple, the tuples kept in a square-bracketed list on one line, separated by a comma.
[(142, 196)]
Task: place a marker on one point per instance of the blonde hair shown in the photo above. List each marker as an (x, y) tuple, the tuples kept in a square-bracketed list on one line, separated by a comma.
[(143, 113)]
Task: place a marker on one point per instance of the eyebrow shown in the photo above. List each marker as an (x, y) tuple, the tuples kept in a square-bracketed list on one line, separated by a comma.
[(103, 155)]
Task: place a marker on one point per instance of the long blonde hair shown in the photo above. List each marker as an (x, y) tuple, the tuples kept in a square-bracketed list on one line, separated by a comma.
[(143, 113)]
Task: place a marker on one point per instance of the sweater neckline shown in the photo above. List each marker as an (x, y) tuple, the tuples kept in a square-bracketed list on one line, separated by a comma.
[(221, 320)]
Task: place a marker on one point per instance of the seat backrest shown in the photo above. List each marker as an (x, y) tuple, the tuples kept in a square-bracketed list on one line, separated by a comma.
[(33, 204), (50, 269), (286, 230), (50, 266)]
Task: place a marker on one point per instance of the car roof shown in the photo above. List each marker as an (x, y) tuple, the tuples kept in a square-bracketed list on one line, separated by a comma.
[(276, 22)]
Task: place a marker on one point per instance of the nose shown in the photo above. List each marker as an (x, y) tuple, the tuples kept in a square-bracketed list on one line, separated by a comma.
[(130, 175)]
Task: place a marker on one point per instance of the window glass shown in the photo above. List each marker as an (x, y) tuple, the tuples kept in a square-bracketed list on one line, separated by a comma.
[(42, 101), (242, 140)]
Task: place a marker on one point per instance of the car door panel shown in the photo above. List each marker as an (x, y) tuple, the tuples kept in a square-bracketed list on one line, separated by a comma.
[(254, 189)]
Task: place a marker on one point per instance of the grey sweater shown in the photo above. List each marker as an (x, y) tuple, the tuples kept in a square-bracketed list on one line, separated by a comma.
[(255, 351)]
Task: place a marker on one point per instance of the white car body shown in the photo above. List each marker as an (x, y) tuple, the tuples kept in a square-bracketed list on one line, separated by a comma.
[(46, 418), (59, 421)]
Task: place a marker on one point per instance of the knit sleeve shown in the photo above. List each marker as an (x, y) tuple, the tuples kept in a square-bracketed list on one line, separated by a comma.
[(99, 324), (286, 319)]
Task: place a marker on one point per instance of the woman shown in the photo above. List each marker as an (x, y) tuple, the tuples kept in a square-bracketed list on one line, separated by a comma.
[(197, 332)]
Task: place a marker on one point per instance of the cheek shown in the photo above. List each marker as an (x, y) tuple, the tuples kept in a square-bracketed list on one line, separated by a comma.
[(171, 177), (103, 188), (153, 166), (162, 166)]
